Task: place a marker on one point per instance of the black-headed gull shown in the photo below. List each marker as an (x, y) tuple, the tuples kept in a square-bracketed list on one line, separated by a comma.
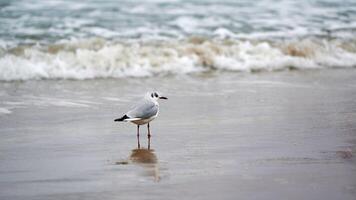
[(144, 112)]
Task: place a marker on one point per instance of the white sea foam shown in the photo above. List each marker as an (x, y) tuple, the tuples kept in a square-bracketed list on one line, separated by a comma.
[(4, 111), (98, 58)]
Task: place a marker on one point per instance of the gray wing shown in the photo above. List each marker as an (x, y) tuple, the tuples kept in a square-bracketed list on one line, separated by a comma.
[(145, 109)]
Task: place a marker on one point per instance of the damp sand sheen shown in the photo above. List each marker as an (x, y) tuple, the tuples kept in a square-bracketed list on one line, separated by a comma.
[(267, 135)]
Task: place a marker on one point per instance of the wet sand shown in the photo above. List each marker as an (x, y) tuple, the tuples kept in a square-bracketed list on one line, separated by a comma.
[(280, 135)]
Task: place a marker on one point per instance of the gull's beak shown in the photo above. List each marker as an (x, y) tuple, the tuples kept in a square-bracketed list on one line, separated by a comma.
[(163, 98)]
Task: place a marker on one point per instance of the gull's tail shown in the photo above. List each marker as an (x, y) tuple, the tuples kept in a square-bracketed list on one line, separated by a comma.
[(121, 119)]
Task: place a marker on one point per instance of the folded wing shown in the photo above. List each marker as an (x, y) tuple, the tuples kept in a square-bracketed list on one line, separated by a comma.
[(144, 110)]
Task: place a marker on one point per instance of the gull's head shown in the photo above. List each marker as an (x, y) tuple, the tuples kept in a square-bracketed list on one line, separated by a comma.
[(155, 96)]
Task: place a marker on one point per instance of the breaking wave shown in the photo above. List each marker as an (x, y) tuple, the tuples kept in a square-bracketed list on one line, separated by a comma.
[(101, 58)]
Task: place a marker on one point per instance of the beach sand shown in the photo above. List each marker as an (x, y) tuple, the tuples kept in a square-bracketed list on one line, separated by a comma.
[(279, 135)]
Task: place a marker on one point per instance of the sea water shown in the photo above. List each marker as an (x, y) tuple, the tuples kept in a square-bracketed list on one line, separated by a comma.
[(87, 39)]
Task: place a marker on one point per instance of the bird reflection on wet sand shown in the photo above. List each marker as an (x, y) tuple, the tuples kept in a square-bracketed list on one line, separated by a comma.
[(146, 158)]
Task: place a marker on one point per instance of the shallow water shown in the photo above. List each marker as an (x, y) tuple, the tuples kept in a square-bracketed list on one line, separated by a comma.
[(108, 39), (261, 136), (50, 21)]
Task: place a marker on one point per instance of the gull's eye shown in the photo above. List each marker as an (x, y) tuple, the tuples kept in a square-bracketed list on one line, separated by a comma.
[(156, 95)]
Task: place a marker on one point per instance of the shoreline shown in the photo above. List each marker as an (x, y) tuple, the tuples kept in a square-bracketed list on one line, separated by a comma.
[(226, 135)]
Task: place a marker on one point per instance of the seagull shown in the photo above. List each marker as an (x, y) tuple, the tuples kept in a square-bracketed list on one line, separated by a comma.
[(144, 112)]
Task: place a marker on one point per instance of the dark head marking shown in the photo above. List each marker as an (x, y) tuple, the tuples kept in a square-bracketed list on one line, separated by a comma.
[(152, 95)]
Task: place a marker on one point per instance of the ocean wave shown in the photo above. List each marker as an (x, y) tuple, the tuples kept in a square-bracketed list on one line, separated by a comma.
[(5, 111), (100, 58)]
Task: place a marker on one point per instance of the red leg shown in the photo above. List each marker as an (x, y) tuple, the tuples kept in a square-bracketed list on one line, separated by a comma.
[(149, 143), (149, 132), (149, 136), (138, 136), (138, 130)]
